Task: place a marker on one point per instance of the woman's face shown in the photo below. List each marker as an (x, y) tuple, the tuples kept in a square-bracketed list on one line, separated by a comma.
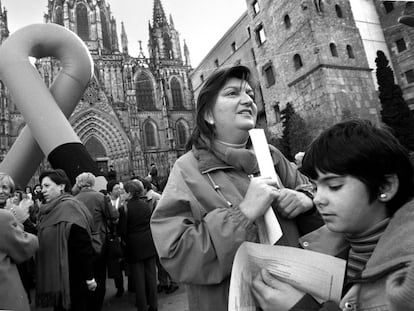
[(234, 112), (17, 197), (50, 189), (5, 191), (343, 202), (116, 191)]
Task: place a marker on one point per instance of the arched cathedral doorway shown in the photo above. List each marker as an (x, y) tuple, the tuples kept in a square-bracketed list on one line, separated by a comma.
[(98, 153)]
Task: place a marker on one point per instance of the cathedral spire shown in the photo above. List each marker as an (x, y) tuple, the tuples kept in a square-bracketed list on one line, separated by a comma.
[(187, 55), (171, 22), (141, 53), (158, 17), (4, 27), (124, 39)]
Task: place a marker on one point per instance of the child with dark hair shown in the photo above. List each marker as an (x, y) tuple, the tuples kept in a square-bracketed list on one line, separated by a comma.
[(364, 190)]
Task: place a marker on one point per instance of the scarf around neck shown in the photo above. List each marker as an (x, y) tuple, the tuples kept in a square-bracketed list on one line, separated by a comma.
[(236, 155), (56, 219), (362, 247)]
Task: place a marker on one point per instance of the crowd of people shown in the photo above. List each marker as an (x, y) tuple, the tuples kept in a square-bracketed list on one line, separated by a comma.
[(57, 238), (349, 195)]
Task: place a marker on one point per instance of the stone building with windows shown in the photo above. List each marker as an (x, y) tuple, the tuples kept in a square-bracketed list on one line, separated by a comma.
[(400, 41), (308, 53), (136, 110)]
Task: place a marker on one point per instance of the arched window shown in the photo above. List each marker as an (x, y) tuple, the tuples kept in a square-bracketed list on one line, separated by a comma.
[(334, 52), (269, 74), (297, 60), (144, 93), (105, 32), (181, 133), (177, 96), (287, 21), (150, 134), (59, 16), (350, 51), (338, 11), (82, 21)]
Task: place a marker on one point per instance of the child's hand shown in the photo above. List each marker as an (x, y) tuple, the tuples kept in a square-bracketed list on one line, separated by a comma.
[(272, 294)]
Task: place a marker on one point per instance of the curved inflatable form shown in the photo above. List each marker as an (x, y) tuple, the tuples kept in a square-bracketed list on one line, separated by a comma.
[(48, 132)]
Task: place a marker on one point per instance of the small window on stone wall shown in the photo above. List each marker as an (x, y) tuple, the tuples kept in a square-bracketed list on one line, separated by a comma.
[(287, 21), (350, 51), (334, 51), (338, 11), (277, 113), (260, 35), (233, 47), (297, 60), (269, 74), (409, 75), (401, 46), (255, 6), (388, 6)]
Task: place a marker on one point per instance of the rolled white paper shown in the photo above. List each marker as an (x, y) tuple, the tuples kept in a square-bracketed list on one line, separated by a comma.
[(273, 231)]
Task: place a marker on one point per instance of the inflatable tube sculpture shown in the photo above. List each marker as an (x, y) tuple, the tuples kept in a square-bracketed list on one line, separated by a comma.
[(48, 131)]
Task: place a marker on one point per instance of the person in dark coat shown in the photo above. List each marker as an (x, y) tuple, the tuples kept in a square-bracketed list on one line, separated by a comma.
[(140, 250), (64, 260), (103, 214)]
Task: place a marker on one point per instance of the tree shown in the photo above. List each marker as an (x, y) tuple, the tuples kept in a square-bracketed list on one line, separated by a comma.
[(299, 137), (295, 134), (286, 114), (395, 111)]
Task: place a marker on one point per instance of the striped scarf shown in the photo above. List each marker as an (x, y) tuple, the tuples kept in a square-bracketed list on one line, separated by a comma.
[(362, 247)]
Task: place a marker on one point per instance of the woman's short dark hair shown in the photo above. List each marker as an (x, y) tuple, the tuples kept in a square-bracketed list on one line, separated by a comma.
[(59, 177), (111, 184), (207, 97), (134, 188), (365, 151), (146, 183)]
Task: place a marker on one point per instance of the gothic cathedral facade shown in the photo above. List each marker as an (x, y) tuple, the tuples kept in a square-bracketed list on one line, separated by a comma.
[(136, 110)]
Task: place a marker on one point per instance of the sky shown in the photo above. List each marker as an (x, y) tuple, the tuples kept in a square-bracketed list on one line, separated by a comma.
[(201, 23)]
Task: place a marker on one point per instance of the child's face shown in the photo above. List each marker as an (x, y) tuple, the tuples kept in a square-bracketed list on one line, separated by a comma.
[(343, 202)]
